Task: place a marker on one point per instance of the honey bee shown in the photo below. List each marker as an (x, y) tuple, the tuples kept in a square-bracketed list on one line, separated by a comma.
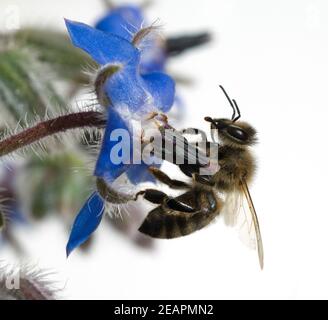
[(224, 193)]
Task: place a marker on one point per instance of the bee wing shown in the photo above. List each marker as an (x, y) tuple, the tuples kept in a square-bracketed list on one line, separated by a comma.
[(232, 208), (239, 211)]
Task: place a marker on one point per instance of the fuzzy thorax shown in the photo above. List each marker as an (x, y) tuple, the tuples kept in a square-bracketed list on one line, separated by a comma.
[(236, 164)]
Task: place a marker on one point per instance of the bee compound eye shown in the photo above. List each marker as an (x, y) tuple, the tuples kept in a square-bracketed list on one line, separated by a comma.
[(237, 133)]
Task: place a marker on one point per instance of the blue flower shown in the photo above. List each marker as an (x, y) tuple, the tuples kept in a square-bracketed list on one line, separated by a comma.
[(131, 95), (124, 21), (128, 89)]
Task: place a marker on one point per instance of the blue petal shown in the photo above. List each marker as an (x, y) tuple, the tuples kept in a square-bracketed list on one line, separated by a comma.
[(126, 87), (162, 88), (153, 59), (139, 173), (122, 21), (102, 47), (86, 222), (105, 167)]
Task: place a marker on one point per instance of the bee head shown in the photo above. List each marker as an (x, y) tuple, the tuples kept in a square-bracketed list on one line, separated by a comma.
[(233, 132)]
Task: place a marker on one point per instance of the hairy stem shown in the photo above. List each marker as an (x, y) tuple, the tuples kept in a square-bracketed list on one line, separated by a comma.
[(50, 127)]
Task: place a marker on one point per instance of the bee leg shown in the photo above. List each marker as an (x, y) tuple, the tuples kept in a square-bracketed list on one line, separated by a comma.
[(192, 171), (172, 183), (203, 179), (152, 195), (159, 197), (158, 118)]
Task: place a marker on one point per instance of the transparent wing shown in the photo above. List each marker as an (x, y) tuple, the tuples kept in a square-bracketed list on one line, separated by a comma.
[(239, 212), (232, 208)]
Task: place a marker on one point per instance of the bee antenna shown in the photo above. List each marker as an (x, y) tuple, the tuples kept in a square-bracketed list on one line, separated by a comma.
[(238, 111), (233, 105)]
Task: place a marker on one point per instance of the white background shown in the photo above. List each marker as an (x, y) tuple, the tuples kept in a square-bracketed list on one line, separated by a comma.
[(272, 56)]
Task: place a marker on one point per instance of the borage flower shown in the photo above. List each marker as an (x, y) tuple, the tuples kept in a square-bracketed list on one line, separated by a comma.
[(128, 95)]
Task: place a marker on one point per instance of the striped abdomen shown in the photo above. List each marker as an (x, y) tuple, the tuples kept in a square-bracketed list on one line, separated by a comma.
[(165, 223)]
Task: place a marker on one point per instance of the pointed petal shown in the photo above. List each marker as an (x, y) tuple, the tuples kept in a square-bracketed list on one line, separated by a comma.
[(86, 222), (106, 167), (122, 21), (162, 88), (104, 48)]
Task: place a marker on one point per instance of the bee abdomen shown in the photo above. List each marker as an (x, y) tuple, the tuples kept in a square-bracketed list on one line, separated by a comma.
[(159, 224)]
